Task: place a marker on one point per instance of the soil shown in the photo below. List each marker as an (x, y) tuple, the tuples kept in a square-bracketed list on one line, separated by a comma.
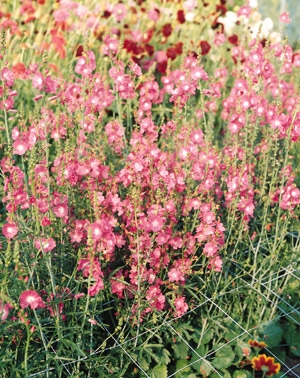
[(294, 364)]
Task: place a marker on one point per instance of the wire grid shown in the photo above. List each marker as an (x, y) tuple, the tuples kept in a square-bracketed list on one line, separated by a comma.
[(263, 289)]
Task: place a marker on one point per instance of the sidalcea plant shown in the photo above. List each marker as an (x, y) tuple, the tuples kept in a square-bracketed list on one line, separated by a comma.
[(140, 169)]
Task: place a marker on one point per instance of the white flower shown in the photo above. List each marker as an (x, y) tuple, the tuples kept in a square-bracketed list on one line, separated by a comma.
[(229, 21), (266, 27), (253, 4), (190, 16)]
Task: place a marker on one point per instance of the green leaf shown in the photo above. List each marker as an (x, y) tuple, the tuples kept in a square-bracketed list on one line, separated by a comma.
[(205, 368), (239, 349), (279, 352), (180, 349), (272, 333), (159, 371), (144, 364), (197, 361), (208, 336), (180, 365), (165, 357), (292, 338), (224, 358), (73, 346), (226, 374), (239, 374)]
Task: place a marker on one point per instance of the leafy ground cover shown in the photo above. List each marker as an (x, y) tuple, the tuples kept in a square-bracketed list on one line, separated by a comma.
[(149, 170)]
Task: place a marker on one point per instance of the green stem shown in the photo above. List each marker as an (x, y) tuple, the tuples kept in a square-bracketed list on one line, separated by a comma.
[(26, 350), (6, 128), (43, 341)]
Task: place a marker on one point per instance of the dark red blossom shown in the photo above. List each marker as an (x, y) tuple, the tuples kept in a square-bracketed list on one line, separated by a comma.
[(216, 24), (205, 47), (149, 49), (234, 39), (162, 67), (221, 9), (132, 47), (167, 30), (106, 14), (79, 51), (147, 36), (180, 16), (171, 53)]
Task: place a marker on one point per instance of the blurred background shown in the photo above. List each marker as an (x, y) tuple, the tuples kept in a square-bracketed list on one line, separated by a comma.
[(273, 8)]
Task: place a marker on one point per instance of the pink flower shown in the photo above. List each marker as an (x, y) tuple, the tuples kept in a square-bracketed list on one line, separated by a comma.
[(38, 81), (162, 238), (8, 77), (4, 310), (155, 297), (96, 231), (153, 14), (9, 230), (156, 223), (175, 275), (220, 39), (78, 296), (118, 288), (210, 249), (61, 15), (20, 147), (119, 11), (46, 245), (32, 299), (61, 210), (136, 69), (99, 285), (216, 263), (244, 11), (86, 64), (285, 17), (180, 306)]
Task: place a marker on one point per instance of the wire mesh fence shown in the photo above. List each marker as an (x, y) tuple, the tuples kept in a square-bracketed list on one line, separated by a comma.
[(275, 304)]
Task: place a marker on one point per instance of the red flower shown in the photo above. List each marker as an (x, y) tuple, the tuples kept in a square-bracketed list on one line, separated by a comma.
[(265, 364), (31, 298), (167, 30), (19, 70), (205, 47), (257, 344), (180, 16), (233, 39)]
